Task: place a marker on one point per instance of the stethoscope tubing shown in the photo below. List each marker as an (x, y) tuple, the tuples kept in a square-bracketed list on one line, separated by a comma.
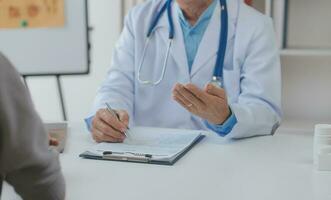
[(218, 70)]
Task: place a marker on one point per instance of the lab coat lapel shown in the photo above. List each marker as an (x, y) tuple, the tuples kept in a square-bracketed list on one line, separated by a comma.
[(177, 51), (209, 44)]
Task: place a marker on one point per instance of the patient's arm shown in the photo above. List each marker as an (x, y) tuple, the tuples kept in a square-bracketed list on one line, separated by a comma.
[(25, 159)]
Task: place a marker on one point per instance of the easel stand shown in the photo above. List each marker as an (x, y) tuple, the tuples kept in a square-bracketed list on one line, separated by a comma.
[(60, 91)]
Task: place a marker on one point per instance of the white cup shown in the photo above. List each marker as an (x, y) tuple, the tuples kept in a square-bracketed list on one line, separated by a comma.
[(324, 159), (322, 141)]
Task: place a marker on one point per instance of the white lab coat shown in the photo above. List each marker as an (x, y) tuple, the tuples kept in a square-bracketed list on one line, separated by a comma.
[(252, 75)]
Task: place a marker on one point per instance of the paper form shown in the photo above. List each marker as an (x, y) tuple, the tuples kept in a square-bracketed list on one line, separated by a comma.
[(160, 143)]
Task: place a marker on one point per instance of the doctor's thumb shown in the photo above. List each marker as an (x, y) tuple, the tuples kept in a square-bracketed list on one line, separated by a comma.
[(123, 116), (215, 91)]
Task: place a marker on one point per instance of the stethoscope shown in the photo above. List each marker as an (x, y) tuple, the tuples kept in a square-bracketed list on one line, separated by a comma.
[(217, 78)]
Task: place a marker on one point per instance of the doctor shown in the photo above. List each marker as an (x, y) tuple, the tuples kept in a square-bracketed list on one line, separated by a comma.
[(194, 64)]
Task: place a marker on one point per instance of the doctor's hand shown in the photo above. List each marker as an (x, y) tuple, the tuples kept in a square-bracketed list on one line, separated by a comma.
[(210, 103), (107, 128)]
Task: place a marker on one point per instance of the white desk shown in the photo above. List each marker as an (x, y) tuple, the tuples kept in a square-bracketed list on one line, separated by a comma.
[(264, 168)]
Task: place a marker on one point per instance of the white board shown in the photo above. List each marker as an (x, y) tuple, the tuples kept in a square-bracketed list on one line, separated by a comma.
[(48, 51)]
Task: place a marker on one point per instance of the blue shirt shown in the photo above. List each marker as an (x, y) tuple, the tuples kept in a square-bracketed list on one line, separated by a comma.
[(194, 34), (192, 38)]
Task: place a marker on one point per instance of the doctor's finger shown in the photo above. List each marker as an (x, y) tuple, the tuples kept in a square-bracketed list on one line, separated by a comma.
[(182, 99), (200, 94), (185, 93), (215, 91), (186, 105), (124, 117), (98, 136), (110, 119), (106, 129)]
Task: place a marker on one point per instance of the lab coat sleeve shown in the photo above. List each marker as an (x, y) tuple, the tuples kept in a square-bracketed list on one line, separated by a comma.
[(258, 109), (225, 128), (118, 88)]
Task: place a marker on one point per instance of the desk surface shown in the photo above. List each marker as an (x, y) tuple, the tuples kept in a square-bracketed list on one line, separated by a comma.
[(274, 168)]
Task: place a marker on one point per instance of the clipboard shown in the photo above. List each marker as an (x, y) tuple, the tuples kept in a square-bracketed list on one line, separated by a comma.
[(142, 158)]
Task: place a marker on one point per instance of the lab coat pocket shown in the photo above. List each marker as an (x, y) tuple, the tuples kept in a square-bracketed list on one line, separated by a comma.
[(228, 62), (232, 84)]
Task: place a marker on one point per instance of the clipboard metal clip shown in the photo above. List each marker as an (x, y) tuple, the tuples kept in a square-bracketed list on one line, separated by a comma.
[(127, 156)]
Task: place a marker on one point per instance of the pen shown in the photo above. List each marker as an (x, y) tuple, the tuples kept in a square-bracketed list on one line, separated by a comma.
[(117, 117)]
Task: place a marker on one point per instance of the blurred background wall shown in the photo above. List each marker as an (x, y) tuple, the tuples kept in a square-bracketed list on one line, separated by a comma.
[(79, 91)]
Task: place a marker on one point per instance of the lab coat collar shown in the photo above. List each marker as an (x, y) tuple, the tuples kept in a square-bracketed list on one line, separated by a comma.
[(208, 48)]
